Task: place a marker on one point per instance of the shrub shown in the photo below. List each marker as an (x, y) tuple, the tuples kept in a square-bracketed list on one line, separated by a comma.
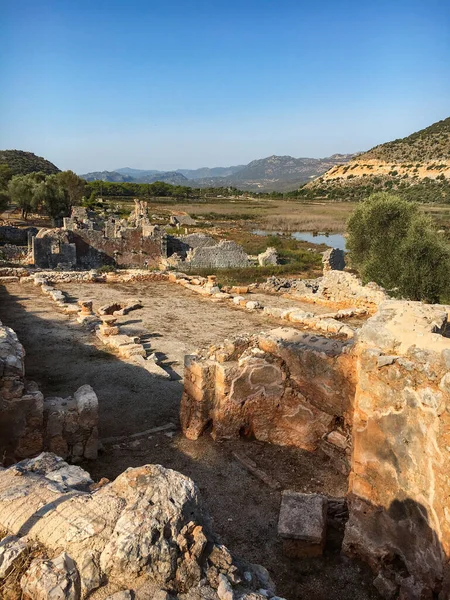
[(391, 243)]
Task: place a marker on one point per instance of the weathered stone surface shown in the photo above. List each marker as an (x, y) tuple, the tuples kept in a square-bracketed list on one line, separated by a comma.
[(399, 485), (144, 533), (333, 260), (269, 257), (21, 403), (11, 549), (70, 424), (55, 579), (285, 387), (302, 523)]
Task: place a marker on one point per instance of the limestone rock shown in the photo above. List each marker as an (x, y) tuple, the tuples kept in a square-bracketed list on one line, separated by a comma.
[(302, 523), (269, 257), (11, 549), (55, 579)]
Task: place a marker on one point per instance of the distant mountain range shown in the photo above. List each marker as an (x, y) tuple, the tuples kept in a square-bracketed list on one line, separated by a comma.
[(274, 173)]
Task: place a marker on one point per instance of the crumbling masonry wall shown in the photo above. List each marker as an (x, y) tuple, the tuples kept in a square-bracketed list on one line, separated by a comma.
[(399, 486), (29, 423), (384, 397), (90, 249), (286, 387)]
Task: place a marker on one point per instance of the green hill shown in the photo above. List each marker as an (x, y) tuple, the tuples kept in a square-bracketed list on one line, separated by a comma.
[(21, 162), (417, 167), (431, 143)]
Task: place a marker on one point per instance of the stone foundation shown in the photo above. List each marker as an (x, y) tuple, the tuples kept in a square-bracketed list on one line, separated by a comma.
[(385, 394)]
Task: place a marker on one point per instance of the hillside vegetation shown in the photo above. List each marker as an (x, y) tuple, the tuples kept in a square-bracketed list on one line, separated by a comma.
[(429, 144), (416, 167), (22, 163)]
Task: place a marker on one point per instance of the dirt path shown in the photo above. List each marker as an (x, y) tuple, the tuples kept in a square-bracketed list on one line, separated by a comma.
[(61, 356)]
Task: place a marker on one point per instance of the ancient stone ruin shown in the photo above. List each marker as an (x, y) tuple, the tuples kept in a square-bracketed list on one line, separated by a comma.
[(379, 401), (339, 369), (30, 423), (84, 242)]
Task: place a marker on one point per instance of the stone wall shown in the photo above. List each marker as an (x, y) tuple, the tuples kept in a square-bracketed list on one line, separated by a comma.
[(29, 423), (20, 236), (90, 249), (21, 403), (399, 484), (144, 535), (383, 396), (200, 251), (286, 387)]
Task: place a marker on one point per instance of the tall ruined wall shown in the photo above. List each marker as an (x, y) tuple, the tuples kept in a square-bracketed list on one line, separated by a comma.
[(143, 536), (399, 486), (90, 249), (29, 423), (286, 387)]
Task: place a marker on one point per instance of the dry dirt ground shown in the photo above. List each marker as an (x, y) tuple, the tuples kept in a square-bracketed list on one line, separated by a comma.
[(61, 356)]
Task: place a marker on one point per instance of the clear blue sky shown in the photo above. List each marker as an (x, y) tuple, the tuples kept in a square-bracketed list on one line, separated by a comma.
[(165, 84)]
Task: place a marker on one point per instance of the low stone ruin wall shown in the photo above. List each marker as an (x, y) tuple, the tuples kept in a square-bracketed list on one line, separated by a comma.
[(145, 535), (384, 397), (286, 387), (336, 287), (21, 403), (20, 236), (29, 423), (199, 251)]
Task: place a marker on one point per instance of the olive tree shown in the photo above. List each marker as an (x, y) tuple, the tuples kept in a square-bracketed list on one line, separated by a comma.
[(393, 244)]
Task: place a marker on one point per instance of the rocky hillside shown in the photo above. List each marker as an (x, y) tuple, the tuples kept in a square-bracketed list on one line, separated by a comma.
[(22, 163), (417, 167)]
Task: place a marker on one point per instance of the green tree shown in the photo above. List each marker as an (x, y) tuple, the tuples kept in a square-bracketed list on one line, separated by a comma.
[(5, 175), (21, 192), (4, 200), (390, 242), (52, 198), (74, 185)]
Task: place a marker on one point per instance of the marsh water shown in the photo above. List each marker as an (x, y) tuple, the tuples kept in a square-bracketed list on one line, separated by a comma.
[(333, 240)]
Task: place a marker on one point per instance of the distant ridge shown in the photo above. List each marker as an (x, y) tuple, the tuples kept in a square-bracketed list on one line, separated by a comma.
[(22, 163), (172, 177), (273, 173)]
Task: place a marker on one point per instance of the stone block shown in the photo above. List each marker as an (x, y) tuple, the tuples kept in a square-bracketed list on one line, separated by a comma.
[(302, 523)]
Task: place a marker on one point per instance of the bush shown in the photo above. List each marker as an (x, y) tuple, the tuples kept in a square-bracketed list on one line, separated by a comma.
[(393, 244)]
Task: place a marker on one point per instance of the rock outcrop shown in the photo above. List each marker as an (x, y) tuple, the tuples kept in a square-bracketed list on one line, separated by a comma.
[(144, 534)]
